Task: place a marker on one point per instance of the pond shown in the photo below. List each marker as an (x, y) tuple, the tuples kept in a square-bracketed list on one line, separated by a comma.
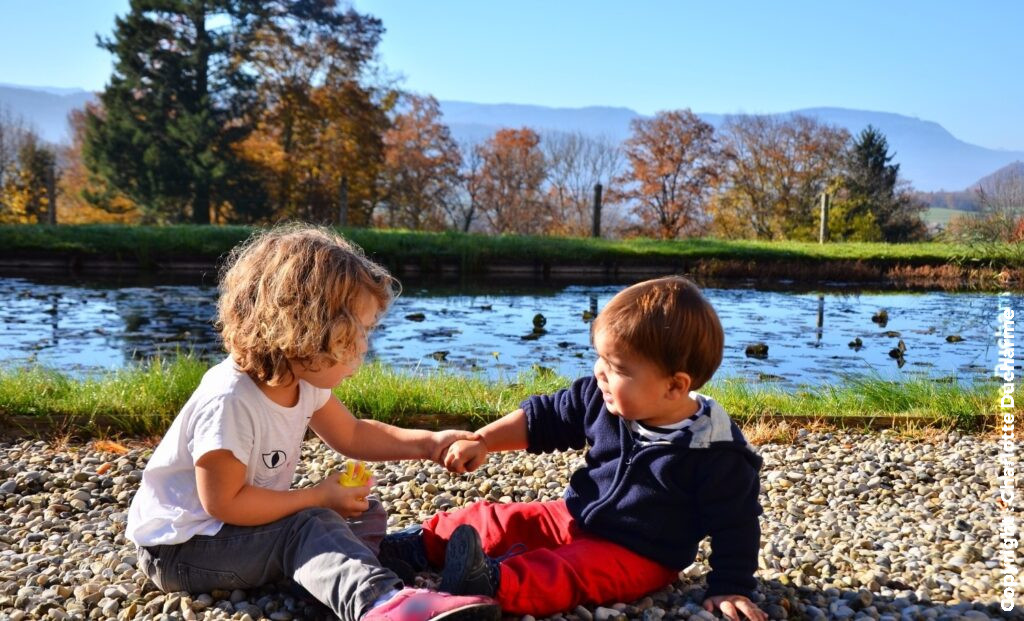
[(82, 328)]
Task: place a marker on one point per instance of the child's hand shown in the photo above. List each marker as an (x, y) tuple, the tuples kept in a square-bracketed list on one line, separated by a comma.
[(441, 440), (731, 605), (345, 501), (465, 455)]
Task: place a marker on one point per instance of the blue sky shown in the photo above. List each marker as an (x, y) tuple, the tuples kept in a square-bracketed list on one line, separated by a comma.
[(956, 63)]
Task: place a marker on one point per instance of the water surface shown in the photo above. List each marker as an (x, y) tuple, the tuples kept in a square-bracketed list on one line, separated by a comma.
[(86, 327)]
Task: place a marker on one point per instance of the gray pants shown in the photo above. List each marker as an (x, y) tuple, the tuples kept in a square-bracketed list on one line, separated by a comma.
[(331, 557)]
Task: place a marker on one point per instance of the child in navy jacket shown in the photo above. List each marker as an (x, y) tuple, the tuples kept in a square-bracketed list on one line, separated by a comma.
[(665, 468)]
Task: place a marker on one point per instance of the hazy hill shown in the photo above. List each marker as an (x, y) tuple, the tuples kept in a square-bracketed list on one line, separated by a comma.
[(967, 199), (45, 109), (1014, 170), (929, 156)]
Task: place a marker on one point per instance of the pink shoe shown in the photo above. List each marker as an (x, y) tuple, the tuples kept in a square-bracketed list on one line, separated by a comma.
[(423, 605)]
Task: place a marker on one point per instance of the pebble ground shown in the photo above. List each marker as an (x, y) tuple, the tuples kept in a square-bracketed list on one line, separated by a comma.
[(856, 526)]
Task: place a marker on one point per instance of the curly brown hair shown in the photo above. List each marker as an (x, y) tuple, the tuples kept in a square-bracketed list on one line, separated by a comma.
[(669, 322), (292, 293)]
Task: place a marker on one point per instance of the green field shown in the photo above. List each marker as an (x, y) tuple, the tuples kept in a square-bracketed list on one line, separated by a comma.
[(942, 215), (149, 244), (145, 399)]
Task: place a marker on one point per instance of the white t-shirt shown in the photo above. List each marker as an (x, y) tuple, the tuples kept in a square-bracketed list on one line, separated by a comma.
[(227, 411)]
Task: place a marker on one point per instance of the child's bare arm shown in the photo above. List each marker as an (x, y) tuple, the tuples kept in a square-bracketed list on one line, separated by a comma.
[(508, 433), (376, 441), (224, 494)]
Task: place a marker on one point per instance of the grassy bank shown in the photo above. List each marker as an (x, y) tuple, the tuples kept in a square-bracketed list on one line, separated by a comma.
[(150, 244), (144, 400)]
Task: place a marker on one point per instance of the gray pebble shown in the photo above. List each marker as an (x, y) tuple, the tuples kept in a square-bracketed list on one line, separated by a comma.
[(865, 526)]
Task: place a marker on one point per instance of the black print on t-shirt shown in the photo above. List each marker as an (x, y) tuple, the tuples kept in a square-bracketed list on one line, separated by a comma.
[(273, 459)]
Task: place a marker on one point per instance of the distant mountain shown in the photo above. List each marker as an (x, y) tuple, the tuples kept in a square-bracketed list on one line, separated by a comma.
[(44, 109), (53, 90), (929, 156), (472, 121), (1013, 170)]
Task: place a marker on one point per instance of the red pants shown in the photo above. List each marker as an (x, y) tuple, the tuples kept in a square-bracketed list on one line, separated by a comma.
[(562, 568)]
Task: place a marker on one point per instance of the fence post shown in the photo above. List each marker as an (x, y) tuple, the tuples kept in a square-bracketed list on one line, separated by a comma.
[(343, 202), (823, 232), (595, 226), (51, 194)]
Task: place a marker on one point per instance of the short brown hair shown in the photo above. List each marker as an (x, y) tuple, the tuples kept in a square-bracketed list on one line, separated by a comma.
[(669, 322), (291, 292)]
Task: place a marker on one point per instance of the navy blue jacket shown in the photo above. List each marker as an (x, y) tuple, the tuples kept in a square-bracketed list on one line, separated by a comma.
[(659, 500)]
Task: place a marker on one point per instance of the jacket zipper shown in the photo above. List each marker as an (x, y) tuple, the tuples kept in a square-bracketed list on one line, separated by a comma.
[(620, 475)]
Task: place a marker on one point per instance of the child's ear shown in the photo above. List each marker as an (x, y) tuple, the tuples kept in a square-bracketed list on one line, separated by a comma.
[(679, 385)]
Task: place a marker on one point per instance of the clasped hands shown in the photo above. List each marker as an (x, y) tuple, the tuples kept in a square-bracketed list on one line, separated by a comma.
[(465, 456)]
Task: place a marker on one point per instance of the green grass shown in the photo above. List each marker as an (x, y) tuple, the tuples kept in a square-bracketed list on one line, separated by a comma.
[(145, 399), (425, 398), (148, 243), (135, 400), (947, 402)]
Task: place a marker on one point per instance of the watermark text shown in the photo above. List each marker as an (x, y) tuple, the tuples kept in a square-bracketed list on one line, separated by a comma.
[(1005, 424)]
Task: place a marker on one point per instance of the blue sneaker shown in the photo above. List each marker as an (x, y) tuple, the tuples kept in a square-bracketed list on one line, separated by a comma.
[(403, 553), (467, 570)]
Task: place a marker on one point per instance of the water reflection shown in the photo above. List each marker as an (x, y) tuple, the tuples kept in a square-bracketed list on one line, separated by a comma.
[(821, 319), (87, 327)]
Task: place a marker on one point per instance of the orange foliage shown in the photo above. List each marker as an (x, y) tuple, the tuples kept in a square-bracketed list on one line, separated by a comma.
[(109, 446), (509, 182), (75, 185), (777, 169), (674, 165), (421, 166)]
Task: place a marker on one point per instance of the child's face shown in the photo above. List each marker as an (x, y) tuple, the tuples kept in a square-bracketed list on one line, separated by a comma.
[(634, 388), (331, 376)]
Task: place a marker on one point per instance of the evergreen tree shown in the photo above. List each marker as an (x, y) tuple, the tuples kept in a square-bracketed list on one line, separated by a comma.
[(180, 97), (873, 205), (869, 173)]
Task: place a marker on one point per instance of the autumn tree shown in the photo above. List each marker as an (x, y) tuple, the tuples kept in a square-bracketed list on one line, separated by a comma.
[(673, 166), (421, 166), (84, 197), (27, 165), (463, 211), (575, 164), (12, 136), (319, 144), (1000, 218), (37, 163), (510, 182), (776, 170)]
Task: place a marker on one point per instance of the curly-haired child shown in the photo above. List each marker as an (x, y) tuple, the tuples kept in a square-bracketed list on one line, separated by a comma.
[(215, 509), (665, 467)]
